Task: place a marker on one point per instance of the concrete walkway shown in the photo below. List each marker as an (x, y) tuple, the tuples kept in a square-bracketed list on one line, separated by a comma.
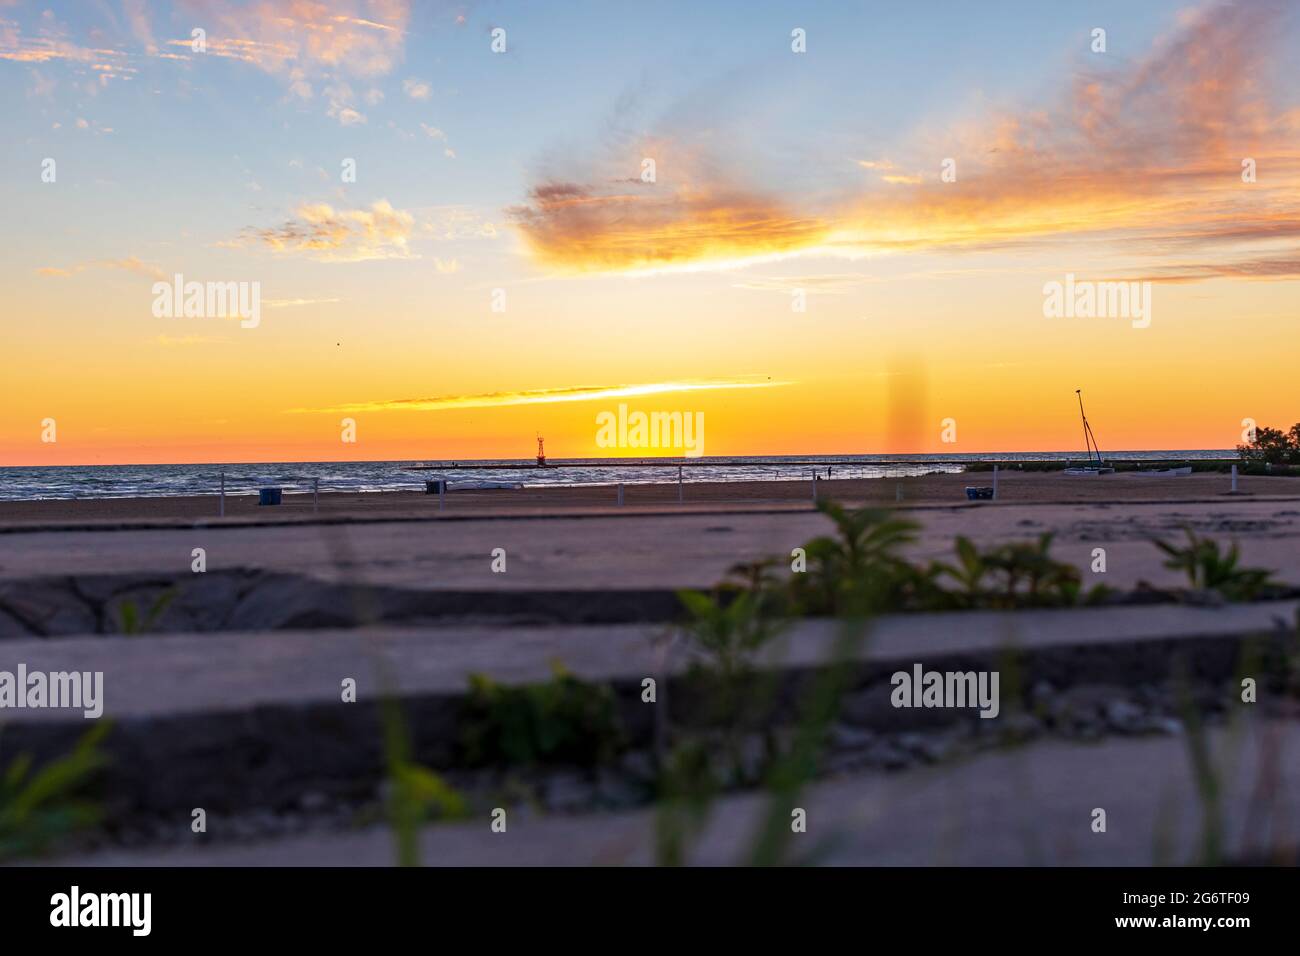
[(1033, 806), (154, 675), (639, 551)]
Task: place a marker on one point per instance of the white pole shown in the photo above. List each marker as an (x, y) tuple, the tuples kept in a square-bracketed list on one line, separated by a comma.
[(222, 512), (1234, 479), (995, 482), (315, 495), (898, 491), (620, 494), (679, 484)]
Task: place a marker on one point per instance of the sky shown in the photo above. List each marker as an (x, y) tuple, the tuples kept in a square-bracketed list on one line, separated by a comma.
[(828, 228)]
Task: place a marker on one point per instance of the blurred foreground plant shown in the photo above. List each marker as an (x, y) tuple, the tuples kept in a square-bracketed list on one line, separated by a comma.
[(131, 620), (565, 720), (38, 807), (414, 793), (1209, 569)]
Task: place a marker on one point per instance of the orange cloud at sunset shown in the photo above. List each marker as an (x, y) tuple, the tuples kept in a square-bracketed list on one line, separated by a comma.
[(1153, 153), (545, 396), (570, 226)]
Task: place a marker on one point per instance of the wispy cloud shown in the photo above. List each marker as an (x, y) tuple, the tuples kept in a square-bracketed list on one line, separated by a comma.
[(359, 38), (416, 89), (1264, 268), (312, 44), (295, 303), (542, 396), (128, 264), (52, 43), (839, 283), (320, 231)]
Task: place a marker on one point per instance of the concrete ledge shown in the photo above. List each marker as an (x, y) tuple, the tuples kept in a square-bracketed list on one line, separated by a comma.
[(1030, 806), (231, 720)]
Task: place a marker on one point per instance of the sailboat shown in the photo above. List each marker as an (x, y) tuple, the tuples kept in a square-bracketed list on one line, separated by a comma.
[(1094, 465)]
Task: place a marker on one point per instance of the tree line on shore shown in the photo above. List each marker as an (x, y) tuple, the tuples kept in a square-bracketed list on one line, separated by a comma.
[(1273, 446)]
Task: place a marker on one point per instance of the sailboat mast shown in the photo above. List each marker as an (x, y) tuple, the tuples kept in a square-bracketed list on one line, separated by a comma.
[(1087, 448), (1089, 440)]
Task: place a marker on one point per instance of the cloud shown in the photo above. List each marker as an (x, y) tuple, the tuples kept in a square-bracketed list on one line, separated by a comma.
[(542, 396), (341, 100), (128, 264), (310, 44), (416, 89), (132, 264), (449, 223), (824, 284), (137, 14), (294, 303), (51, 43), (321, 232), (435, 133), (357, 38), (1133, 155), (578, 227), (1271, 267)]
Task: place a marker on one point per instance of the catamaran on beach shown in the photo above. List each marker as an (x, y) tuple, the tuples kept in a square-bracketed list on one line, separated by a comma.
[(1094, 464)]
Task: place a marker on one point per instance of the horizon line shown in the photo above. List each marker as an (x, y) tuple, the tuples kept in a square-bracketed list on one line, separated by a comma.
[(936, 457)]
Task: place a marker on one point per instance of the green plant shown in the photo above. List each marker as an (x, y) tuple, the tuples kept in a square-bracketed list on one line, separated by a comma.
[(131, 621), (756, 576), (969, 572), (687, 788), (1210, 569), (693, 776), (859, 570), (1205, 774), (727, 628), (37, 808), (728, 631), (565, 720), (1013, 575), (791, 773), (414, 792)]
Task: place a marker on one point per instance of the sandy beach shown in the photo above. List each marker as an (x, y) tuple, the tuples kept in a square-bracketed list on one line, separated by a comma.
[(928, 490)]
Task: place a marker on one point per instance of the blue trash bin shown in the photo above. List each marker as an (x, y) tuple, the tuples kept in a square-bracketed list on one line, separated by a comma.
[(433, 487), (268, 496)]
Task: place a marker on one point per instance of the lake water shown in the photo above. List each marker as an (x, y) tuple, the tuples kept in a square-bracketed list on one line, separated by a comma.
[(125, 481)]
